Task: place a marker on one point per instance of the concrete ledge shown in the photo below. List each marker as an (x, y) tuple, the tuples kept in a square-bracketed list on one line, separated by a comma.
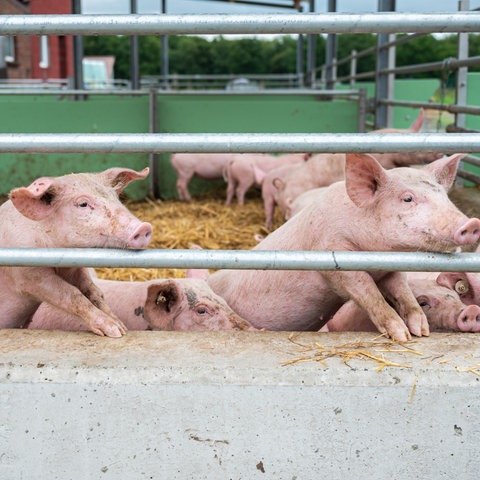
[(221, 405)]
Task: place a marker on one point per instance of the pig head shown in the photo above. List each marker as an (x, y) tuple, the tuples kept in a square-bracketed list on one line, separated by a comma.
[(78, 210)]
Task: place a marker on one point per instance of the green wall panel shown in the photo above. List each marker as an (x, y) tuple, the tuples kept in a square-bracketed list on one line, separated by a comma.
[(176, 114), (51, 114)]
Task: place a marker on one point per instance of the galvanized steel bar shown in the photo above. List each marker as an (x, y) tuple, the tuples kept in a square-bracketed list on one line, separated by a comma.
[(241, 259), (166, 93), (238, 142), (452, 108), (219, 24)]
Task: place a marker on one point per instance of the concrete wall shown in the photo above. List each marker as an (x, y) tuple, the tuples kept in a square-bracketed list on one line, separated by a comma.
[(158, 405)]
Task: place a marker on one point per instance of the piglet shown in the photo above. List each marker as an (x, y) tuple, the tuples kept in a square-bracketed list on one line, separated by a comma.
[(207, 166), (405, 159), (170, 304), (402, 209), (78, 210), (443, 308), (246, 170)]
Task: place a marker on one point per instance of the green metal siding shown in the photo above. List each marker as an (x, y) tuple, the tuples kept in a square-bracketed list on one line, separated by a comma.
[(176, 114)]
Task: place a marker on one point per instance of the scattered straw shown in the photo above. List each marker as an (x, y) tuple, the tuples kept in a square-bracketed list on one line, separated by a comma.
[(355, 350)]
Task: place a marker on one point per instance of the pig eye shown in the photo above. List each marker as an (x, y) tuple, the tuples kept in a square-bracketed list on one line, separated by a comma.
[(408, 198), (423, 302), (82, 202), (202, 310)]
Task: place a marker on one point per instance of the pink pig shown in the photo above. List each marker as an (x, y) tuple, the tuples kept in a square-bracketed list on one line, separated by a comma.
[(171, 304), (392, 160), (245, 170), (78, 210), (443, 308), (324, 169), (207, 166), (403, 209)]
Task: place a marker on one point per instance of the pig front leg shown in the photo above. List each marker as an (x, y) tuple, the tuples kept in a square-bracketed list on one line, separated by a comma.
[(81, 278), (396, 289), (46, 286), (362, 289)]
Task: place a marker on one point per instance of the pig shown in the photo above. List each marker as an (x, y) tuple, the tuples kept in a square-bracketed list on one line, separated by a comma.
[(402, 209), (246, 170), (78, 210), (466, 284), (319, 170), (324, 169), (392, 160), (165, 304), (303, 200), (207, 166), (443, 308)]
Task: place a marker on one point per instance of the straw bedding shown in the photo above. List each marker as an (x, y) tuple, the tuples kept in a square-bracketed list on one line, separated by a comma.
[(206, 222)]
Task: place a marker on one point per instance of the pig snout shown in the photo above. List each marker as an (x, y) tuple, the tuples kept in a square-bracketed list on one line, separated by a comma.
[(141, 236), (468, 233), (469, 319)]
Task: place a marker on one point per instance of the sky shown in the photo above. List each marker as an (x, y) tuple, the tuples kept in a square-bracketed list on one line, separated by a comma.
[(208, 6)]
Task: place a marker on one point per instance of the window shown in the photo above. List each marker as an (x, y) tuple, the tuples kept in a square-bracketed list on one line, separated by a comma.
[(44, 52), (9, 49)]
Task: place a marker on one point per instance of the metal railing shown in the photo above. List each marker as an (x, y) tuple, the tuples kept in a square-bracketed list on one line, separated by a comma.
[(240, 24)]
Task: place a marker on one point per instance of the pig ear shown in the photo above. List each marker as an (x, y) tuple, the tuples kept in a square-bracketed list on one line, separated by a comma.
[(459, 282), (162, 304), (119, 178), (363, 177), (278, 183), (36, 201), (418, 122), (445, 169)]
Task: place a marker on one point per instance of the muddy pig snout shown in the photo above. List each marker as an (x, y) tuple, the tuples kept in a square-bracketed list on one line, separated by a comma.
[(141, 236), (469, 319), (468, 233)]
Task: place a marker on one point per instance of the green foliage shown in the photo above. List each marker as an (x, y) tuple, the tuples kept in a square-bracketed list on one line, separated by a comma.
[(197, 55)]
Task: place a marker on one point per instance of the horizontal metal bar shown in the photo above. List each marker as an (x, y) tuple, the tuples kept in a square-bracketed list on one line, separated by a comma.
[(64, 92), (433, 106), (240, 259), (447, 64), (472, 160), (238, 142), (166, 93), (469, 176), (384, 22)]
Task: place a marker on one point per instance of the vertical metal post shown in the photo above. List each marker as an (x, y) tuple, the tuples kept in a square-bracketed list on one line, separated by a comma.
[(461, 81), (331, 52), (300, 60), (134, 65), (462, 72), (153, 128), (311, 52), (362, 110), (384, 83), (165, 65), (77, 55), (353, 69)]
